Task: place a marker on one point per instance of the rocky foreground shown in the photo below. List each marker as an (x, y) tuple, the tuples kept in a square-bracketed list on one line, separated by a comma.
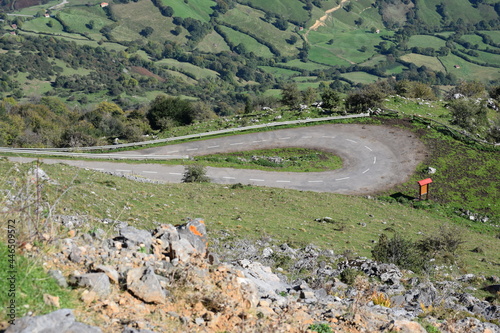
[(167, 280)]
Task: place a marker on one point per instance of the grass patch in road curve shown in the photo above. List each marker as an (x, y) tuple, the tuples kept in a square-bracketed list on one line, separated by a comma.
[(280, 159)]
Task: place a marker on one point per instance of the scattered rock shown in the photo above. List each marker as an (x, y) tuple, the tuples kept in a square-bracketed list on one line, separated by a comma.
[(61, 321)]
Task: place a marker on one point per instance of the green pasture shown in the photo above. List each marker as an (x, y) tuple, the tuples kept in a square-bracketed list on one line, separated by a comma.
[(457, 9), (77, 19), (182, 76), (495, 35), (360, 77), (33, 87), (419, 60), (305, 78), (426, 41), (279, 72), (487, 58), (198, 72), (39, 24), (476, 40), (213, 43), (308, 66), (197, 9), (289, 9), (326, 57), (135, 16), (249, 19), (315, 85), (251, 44), (469, 71), (345, 45)]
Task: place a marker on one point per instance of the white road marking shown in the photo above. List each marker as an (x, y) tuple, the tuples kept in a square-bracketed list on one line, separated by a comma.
[(257, 141), (228, 177), (121, 170), (366, 170), (351, 141), (343, 178), (374, 159), (171, 152), (150, 171), (190, 149), (368, 148), (99, 169), (237, 143), (306, 137), (213, 146), (327, 136), (282, 181), (256, 180), (315, 181), (284, 138), (175, 173)]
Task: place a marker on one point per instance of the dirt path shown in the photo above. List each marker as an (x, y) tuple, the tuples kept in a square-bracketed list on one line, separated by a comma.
[(323, 18)]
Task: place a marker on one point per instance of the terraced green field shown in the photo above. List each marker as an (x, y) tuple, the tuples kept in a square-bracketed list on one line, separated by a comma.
[(197, 9), (251, 43)]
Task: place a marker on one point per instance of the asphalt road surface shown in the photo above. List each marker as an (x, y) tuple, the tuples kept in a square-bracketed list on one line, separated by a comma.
[(374, 158)]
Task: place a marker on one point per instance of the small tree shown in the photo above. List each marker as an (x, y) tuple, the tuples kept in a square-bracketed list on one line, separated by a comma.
[(290, 95), (195, 173), (330, 99), (468, 114)]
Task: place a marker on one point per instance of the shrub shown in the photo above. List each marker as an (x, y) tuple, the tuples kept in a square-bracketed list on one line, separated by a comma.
[(381, 299), (320, 328), (348, 275), (399, 251), (195, 173)]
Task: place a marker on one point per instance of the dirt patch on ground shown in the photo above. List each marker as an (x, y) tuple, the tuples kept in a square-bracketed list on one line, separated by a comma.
[(146, 72)]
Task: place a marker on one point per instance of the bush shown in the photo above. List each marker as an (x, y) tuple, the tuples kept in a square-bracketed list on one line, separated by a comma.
[(399, 251), (348, 275), (195, 173)]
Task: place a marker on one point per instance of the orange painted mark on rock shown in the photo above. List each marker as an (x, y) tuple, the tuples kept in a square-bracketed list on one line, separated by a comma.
[(201, 221), (195, 231)]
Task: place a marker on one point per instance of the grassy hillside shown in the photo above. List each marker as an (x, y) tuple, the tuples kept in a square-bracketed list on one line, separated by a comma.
[(384, 38)]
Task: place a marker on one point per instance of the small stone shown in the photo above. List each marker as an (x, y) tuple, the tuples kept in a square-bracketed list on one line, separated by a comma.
[(51, 300)]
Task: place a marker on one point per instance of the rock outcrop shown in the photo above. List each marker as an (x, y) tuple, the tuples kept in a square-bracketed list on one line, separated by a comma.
[(167, 280)]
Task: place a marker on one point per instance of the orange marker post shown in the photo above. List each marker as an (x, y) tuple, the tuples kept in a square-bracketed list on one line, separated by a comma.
[(424, 188)]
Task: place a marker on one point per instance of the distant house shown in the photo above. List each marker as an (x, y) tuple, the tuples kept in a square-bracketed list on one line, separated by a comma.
[(14, 26), (47, 15), (377, 31), (104, 4), (456, 66)]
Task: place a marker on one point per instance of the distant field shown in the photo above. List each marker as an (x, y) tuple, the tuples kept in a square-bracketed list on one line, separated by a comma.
[(468, 70), (199, 72), (251, 44), (135, 16), (422, 60), (345, 45), (280, 72), (360, 77), (197, 9), (289, 9), (249, 19), (495, 35), (456, 8), (426, 41), (213, 43), (40, 25), (296, 63), (326, 57)]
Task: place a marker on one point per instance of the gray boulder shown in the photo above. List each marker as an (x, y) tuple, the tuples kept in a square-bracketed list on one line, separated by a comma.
[(97, 282), (195, 232), (134, 237), (60, 321), (145, 285)]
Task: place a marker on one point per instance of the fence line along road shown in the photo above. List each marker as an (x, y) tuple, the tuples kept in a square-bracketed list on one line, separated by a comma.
[(68, 151)]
